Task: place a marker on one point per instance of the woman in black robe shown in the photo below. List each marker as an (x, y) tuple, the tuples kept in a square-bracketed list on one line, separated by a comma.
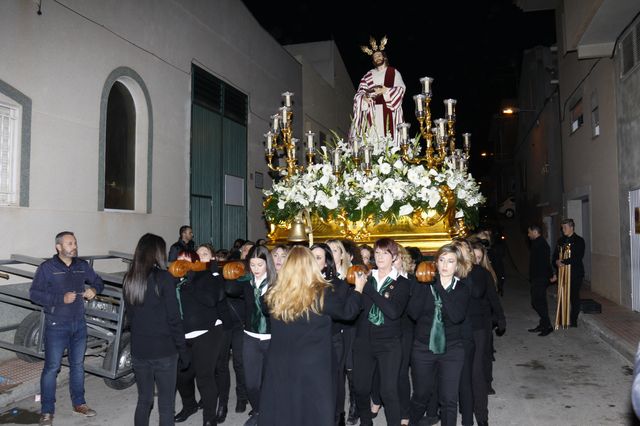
[(299, 384)]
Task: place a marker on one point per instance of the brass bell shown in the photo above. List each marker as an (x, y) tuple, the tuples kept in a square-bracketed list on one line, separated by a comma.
[(301, 230)]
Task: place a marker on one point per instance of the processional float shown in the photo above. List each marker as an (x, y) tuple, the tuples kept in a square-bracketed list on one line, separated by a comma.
[(415, 190)]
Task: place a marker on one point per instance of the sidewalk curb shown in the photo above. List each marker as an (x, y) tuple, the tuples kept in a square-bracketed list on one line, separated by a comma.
[(603, 333), (28, 389)]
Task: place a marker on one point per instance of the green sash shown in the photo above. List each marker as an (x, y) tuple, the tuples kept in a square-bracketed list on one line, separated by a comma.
[(258, 320), (437, 339), (376, 317)]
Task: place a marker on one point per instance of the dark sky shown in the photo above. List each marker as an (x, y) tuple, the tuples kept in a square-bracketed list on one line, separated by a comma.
[(471, 48)]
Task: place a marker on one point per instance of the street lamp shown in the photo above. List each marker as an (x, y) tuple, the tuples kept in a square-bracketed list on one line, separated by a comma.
[(515, 110)]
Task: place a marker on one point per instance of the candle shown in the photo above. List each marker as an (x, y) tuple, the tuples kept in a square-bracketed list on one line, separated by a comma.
[(441, 122), (336, 159), (403, 128), (287, 99), (356, 146), (467, 141), (269, 137), (419, 100), (275, 120), (367, 156), (450, 104), (284, 112), (426, 86), (310, 136)]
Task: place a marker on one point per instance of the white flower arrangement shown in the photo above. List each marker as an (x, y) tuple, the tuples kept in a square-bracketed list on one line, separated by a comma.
[(393, 188)]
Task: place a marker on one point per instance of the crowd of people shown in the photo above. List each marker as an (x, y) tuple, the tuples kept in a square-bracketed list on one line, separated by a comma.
[(312, 339)]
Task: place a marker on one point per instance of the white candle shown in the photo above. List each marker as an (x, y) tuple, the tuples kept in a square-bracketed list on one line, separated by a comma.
[(310, 136), (287, 99), (426, 85), (467, 141), (419, 100), (336, 158), (274, 125), (284, 112), (441, 122), (367, 158), (356, 147), (450, 103), (269, 137)]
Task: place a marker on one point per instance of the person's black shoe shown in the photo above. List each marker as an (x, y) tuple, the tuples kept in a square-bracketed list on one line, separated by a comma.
[(491, 391), (221, 415), (484, 423), (241, 406), (184, 414), (537, 329), (546, 331), (353, 417)]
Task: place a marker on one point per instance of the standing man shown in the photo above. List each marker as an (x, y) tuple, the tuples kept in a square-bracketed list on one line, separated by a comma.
[(539, 275), (377, 105), (576, 242), (59, 287), (184, 243)]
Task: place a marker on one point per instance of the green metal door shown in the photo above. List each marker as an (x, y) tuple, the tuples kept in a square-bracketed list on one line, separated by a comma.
[(234, 147)]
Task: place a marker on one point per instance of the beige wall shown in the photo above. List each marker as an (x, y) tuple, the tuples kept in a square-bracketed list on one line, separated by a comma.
[(590, 164)]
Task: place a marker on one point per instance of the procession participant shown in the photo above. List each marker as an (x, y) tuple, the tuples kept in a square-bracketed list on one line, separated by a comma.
[(279, 254), (377, 104), (439, 309), (59, 287), (157, 335), (257, 326), (379, 334), (203, 308), (353, 303), (576, 244), (540, 273), (300, 363)]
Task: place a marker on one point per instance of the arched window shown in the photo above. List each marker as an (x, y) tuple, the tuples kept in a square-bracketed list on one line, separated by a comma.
[(126, 144), (120, 152)]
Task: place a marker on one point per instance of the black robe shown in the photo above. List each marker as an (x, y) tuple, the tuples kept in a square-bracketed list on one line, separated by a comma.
[(298, 386)]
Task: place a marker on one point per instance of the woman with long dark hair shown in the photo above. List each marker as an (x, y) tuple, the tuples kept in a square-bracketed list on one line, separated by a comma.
[(257, 327), (157, 336)]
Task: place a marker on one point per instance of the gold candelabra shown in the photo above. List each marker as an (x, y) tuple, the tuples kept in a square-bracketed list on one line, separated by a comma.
[(443, 134), (280, 141)]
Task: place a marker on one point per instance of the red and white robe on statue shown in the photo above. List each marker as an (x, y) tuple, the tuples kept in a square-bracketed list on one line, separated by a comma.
[(380, 115)]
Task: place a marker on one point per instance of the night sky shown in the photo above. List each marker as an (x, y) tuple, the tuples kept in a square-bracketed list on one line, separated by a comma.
[(472, 48)]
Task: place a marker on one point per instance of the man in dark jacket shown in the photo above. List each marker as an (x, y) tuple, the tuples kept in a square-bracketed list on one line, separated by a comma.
[(576, 242), (539, 276), (184, 243), (60, 285)]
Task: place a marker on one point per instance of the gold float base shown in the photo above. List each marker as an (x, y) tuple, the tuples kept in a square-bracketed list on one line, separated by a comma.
[(426, 232)]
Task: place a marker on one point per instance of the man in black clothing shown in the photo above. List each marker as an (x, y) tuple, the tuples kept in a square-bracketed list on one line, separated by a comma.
[(184, 243), (577, 246), (539, 276)]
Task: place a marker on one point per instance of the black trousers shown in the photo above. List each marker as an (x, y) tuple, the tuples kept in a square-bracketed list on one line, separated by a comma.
[(386, 355), (424, 365), (539, 302), (574, 296), (205, 350), (466, 389), (254, 357), (231, 342), (339, 357), (404, 384), (481, 340), (157, 373)]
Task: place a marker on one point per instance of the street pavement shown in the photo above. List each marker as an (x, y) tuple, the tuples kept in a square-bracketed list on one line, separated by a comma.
[(570, 377)]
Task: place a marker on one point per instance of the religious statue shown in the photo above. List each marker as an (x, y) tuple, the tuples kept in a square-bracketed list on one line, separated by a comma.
[(377, 104)]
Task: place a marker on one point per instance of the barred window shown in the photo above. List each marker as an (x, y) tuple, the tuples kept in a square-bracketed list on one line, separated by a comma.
[(9, 154)]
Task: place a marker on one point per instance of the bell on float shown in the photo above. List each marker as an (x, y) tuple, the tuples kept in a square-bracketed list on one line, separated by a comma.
[(301, 230)]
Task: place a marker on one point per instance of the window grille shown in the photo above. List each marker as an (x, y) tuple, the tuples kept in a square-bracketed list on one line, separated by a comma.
[(8, 155)]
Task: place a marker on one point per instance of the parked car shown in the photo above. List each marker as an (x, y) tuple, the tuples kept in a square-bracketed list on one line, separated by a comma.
[(508, 207)]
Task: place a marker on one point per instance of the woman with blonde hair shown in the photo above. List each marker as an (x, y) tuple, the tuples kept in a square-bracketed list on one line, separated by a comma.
[(298, 386), (439, 309), (341, 257)]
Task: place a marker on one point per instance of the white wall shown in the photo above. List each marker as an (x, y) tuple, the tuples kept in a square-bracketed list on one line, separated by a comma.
[(61, 59)]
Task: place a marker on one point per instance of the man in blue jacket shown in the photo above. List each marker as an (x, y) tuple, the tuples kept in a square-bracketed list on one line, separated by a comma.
[(60, 286)]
